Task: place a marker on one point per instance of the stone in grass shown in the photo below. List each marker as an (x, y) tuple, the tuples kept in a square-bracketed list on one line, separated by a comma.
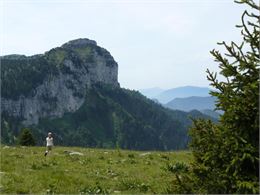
[(73, 153), (76, 153), (145, 154)]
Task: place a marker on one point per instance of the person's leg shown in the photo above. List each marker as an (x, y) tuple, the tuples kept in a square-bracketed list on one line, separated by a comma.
[(48, 148)]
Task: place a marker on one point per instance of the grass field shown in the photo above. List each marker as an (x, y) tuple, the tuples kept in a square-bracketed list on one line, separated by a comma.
[(93, 171)]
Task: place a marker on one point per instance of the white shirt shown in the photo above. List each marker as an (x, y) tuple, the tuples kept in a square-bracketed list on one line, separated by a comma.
[(49, 141)]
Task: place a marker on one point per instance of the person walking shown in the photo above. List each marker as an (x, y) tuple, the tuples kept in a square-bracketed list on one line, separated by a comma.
[(49, 143)]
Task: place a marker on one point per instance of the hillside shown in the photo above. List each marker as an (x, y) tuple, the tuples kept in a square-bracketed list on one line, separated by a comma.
[(192, 103), (70, 170), (212, 113), (73, 91), (112, 117)]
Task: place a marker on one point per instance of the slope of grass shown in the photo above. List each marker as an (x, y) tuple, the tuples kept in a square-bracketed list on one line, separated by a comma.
[(26, 170)]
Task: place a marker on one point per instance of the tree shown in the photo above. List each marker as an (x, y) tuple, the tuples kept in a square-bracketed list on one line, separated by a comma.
[(26, 138), (227, 154)]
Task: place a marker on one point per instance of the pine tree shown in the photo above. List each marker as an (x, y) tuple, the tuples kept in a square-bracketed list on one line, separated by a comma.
[(26, 138), (227, 154)]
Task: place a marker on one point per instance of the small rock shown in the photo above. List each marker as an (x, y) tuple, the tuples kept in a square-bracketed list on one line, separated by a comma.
[(73, 153), (76, 153), (6, 147), (145, 154)]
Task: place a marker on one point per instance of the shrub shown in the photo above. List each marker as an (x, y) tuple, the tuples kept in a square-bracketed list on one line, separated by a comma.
[(26, 138)]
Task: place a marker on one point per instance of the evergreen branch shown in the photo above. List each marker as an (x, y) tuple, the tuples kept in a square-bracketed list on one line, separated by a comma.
[(248, 2)]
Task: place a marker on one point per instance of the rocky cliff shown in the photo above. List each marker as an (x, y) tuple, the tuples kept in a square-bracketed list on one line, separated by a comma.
[(54, 83)]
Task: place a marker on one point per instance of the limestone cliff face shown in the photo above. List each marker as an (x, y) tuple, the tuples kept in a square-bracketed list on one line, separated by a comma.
[(76, 66)]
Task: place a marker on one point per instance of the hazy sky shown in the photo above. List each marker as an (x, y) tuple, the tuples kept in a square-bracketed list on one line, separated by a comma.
[(157, 43)]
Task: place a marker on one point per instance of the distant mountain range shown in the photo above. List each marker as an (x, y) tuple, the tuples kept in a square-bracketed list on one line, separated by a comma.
[(186, 99), (165, 96), (192, 103)]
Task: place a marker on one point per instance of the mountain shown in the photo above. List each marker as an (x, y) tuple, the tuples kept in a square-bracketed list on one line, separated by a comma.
[(205, 105), (73, 91), (180, 92), (192, 103), (151, 92), (211, 113)]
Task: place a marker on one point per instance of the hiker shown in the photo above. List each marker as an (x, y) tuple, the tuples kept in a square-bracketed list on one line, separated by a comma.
[(49, 143)]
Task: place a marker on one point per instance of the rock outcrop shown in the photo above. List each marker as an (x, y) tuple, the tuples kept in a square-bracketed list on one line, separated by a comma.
[(78, 65)]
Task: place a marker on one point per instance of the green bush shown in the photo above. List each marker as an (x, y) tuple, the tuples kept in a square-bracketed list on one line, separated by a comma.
[(26, 138)]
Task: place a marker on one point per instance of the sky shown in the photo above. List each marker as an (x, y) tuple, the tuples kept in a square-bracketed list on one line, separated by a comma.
[(156, 43)]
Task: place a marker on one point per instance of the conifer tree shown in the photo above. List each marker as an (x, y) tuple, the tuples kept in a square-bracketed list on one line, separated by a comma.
[(26, 138), (227, 154)]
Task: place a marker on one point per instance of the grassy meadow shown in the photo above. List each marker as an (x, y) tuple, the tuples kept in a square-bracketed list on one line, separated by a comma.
[(87, 170)]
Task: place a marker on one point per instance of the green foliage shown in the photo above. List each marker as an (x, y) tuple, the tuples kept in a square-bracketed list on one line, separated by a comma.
[(181, 172), (227, 154), (26, 138), (134, 185), (97, 189), (26, 170), (177, 168), (119, 118), (109, 118), (9, 125), (20, 76), (56, 56), (85, 53)]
